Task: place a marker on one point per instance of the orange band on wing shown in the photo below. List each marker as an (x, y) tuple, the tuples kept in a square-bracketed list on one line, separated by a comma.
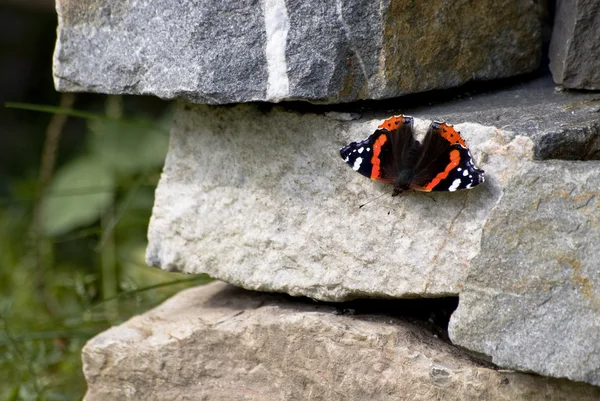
[(375, 161), (454, 161), (451, 135), (391, 123)]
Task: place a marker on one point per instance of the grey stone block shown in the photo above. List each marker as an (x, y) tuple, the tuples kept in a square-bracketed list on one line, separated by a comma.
[(575, 48), (219, 52), (531, 300), (221, 343)]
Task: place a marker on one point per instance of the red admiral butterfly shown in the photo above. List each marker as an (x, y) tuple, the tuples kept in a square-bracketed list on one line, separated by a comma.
[(392, 155)]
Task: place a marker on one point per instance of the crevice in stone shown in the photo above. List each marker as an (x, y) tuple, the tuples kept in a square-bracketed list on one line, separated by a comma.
[(562, 125), (430, 313), (410, 101)]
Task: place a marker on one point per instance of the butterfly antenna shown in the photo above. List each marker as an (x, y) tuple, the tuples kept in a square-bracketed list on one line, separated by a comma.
[(374, 199), (428, 196)]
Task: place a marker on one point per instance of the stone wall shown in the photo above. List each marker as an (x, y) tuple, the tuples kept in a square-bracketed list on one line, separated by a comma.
[(256, 195)]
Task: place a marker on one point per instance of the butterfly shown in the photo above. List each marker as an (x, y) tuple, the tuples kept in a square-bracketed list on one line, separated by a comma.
[(393, 155)]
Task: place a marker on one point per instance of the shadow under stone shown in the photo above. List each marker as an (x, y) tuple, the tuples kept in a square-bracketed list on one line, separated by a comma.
[(432, 314)]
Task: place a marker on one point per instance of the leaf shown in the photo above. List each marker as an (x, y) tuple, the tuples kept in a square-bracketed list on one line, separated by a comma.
[(78, 195), (130, 148), (14, 394)]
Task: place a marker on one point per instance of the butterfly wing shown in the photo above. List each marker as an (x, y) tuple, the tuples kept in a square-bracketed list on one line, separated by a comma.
[(366, 156), (405, 148), (445, 163), (381, 156)]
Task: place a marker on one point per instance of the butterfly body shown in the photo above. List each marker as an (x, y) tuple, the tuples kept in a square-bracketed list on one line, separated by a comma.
[(394, 156)]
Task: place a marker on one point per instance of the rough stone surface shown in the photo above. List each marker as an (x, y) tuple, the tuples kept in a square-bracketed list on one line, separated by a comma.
[(335, 51), (531, 300), (575, 48), (222, 343), (262, 199), (259, 197)]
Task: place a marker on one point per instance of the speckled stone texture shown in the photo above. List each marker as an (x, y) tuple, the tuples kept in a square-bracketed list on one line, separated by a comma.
[(219, 52), (531, 300), (258, 196), (218, 342), (261, 199)]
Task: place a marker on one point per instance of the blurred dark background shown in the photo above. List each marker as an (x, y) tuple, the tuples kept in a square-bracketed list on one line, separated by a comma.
[(27, 35), (77, 180)]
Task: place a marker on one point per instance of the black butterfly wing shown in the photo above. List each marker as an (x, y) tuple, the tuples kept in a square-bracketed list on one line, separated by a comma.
[(445, 163), (405, 148), (365, 157), (386, 152)]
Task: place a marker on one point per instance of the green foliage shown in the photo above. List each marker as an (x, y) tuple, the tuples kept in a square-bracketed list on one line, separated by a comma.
[(138, 150), (79, 194), (83, 189), (82, 269)]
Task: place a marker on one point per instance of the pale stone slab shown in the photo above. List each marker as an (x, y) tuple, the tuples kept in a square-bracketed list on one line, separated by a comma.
[(531, 300), (261, 199), (222, 343), (330, 51)]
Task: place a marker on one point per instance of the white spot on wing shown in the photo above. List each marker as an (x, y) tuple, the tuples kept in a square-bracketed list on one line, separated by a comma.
[(360, 150), (455, 185), (465, 173), (357, 164)]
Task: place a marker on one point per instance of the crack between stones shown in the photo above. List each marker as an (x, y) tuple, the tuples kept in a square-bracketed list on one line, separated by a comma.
[(586, 204)]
